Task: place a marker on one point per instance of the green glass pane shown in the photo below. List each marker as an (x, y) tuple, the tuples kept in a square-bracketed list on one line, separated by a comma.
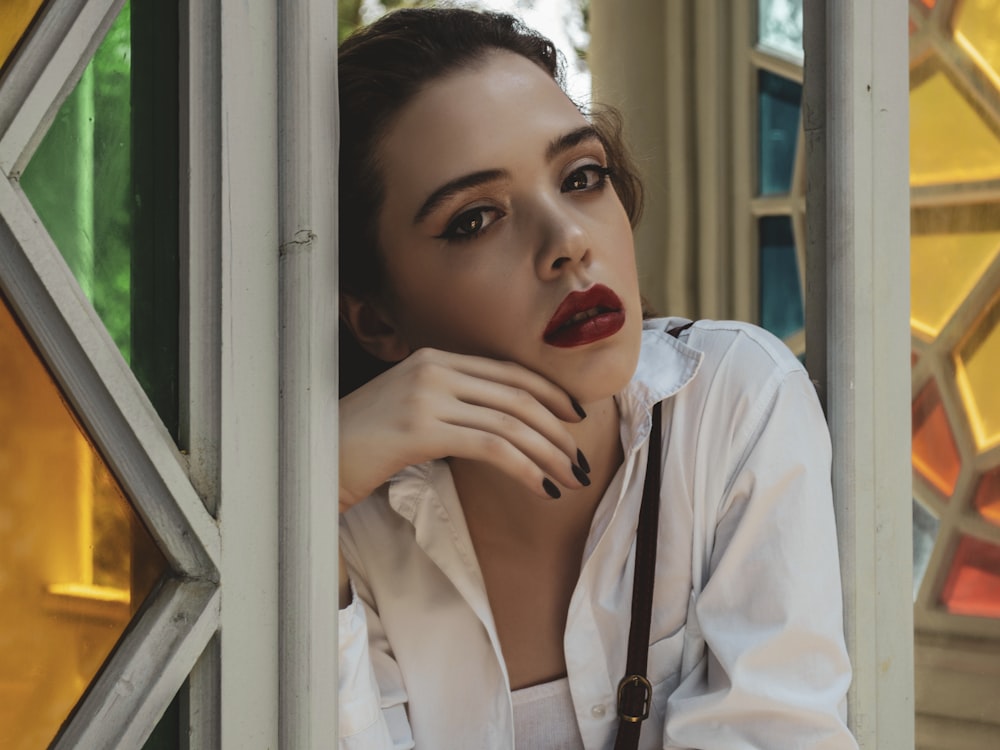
[(104, 183), (779, 102), (779, 26), (781, 310)]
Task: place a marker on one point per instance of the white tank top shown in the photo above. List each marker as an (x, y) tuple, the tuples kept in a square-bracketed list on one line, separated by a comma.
[(544, 718)]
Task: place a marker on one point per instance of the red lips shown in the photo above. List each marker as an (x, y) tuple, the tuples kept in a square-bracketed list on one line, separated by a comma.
[(585, 317)]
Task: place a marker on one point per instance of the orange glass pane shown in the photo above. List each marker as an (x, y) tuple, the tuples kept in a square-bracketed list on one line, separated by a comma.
[(977, 31), (75, 561), (15, 17), (977, 365), (973, 585), (929, 3), (935, 456), (988, 496), (943, 270), (949, 141)]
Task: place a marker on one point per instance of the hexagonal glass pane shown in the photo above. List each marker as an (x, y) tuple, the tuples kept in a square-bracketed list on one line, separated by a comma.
[(15, 17), (949, 141), (975, 25), (103, 181), (943, 270), (988, 496), (935, 456), (977, 364), (75, 561), (973, 584), (925, 531)]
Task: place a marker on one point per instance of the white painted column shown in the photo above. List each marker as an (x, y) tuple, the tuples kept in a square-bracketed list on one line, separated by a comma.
[(308, 271), (856, 125), (248, 505)]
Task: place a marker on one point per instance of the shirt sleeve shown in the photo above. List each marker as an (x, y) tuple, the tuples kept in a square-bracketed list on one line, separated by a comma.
[(372, 700), (774, 671)]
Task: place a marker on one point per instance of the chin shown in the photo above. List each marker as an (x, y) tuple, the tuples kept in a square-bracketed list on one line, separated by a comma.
[(603, 375)]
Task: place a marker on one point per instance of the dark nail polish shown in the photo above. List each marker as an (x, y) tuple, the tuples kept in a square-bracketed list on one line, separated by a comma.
[(581, 476), (577, 408), (551, 489), (582, 460)]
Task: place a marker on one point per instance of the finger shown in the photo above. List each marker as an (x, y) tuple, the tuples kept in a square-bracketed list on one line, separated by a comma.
[(512, 374), (518, 405), (547, 456), (488, 447)]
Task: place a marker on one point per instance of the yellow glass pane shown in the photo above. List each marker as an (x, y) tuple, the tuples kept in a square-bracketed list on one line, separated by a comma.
[(75, 561), (949, 141), (15, 17), (943, 270), (977, 30), (935, 456), (977, 364)]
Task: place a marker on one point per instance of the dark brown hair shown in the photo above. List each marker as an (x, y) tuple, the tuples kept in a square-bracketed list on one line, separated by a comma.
[(381, 67)]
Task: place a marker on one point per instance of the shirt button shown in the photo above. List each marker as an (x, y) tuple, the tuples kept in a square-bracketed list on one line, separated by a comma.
[(598, 711)]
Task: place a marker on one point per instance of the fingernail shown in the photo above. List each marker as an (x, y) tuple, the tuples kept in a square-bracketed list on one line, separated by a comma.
[(577, 408), (551, 489), (581, 476), (582, 460)]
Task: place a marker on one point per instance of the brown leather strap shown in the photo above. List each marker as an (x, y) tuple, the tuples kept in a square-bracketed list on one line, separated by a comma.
[(635, 694)]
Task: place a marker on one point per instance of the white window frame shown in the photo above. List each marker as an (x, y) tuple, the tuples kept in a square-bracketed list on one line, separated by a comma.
[(856, 109), (258, 265)]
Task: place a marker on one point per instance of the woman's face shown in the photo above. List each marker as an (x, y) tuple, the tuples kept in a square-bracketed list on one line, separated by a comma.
[(501, 233)]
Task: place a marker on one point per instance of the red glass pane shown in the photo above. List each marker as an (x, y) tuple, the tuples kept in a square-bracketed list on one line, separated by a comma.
[(973, 585), (988, 496), (935, 456)]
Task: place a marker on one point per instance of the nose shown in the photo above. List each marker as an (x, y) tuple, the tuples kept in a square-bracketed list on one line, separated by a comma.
[(563, 243)]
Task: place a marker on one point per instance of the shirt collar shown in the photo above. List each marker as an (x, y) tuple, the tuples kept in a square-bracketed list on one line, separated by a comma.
[(666, 365)]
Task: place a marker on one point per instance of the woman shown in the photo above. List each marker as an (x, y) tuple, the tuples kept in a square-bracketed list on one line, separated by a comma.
[(491, 476)]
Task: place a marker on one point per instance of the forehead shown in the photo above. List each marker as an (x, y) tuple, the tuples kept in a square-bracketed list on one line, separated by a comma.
[(478, 118)]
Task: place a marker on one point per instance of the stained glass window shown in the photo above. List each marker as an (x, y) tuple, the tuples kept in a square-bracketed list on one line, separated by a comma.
[(104, 183), (935, 455), (76, 560), (780, 100), (15, 17), (779, 26), (780, 290)]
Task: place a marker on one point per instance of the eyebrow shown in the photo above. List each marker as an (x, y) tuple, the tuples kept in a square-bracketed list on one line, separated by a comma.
[(556, 147)]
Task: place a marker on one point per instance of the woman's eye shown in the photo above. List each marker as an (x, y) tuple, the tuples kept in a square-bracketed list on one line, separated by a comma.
[(470, 223), (589, 177)]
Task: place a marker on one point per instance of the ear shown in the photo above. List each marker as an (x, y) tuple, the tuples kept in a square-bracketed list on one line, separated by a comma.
[(373, 329)]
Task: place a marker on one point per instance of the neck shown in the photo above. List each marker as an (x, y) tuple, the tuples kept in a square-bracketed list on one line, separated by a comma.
[(498, 507)]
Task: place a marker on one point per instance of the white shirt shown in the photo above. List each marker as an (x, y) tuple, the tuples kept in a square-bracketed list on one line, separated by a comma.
[(746, 643)]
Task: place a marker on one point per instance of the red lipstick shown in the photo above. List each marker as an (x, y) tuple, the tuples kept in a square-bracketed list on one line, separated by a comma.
[(585, 317)]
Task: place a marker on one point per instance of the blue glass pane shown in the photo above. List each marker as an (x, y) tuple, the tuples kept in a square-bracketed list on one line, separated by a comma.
[(780, 292), (925, 531), (780, 100)]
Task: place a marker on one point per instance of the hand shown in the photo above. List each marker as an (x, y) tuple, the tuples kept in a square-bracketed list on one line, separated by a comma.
[(435, 404)]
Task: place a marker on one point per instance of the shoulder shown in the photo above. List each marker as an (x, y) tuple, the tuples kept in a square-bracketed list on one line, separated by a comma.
[(735, 356)]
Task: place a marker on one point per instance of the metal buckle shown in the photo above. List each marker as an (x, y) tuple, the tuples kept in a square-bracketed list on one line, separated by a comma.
[(630, 683)]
